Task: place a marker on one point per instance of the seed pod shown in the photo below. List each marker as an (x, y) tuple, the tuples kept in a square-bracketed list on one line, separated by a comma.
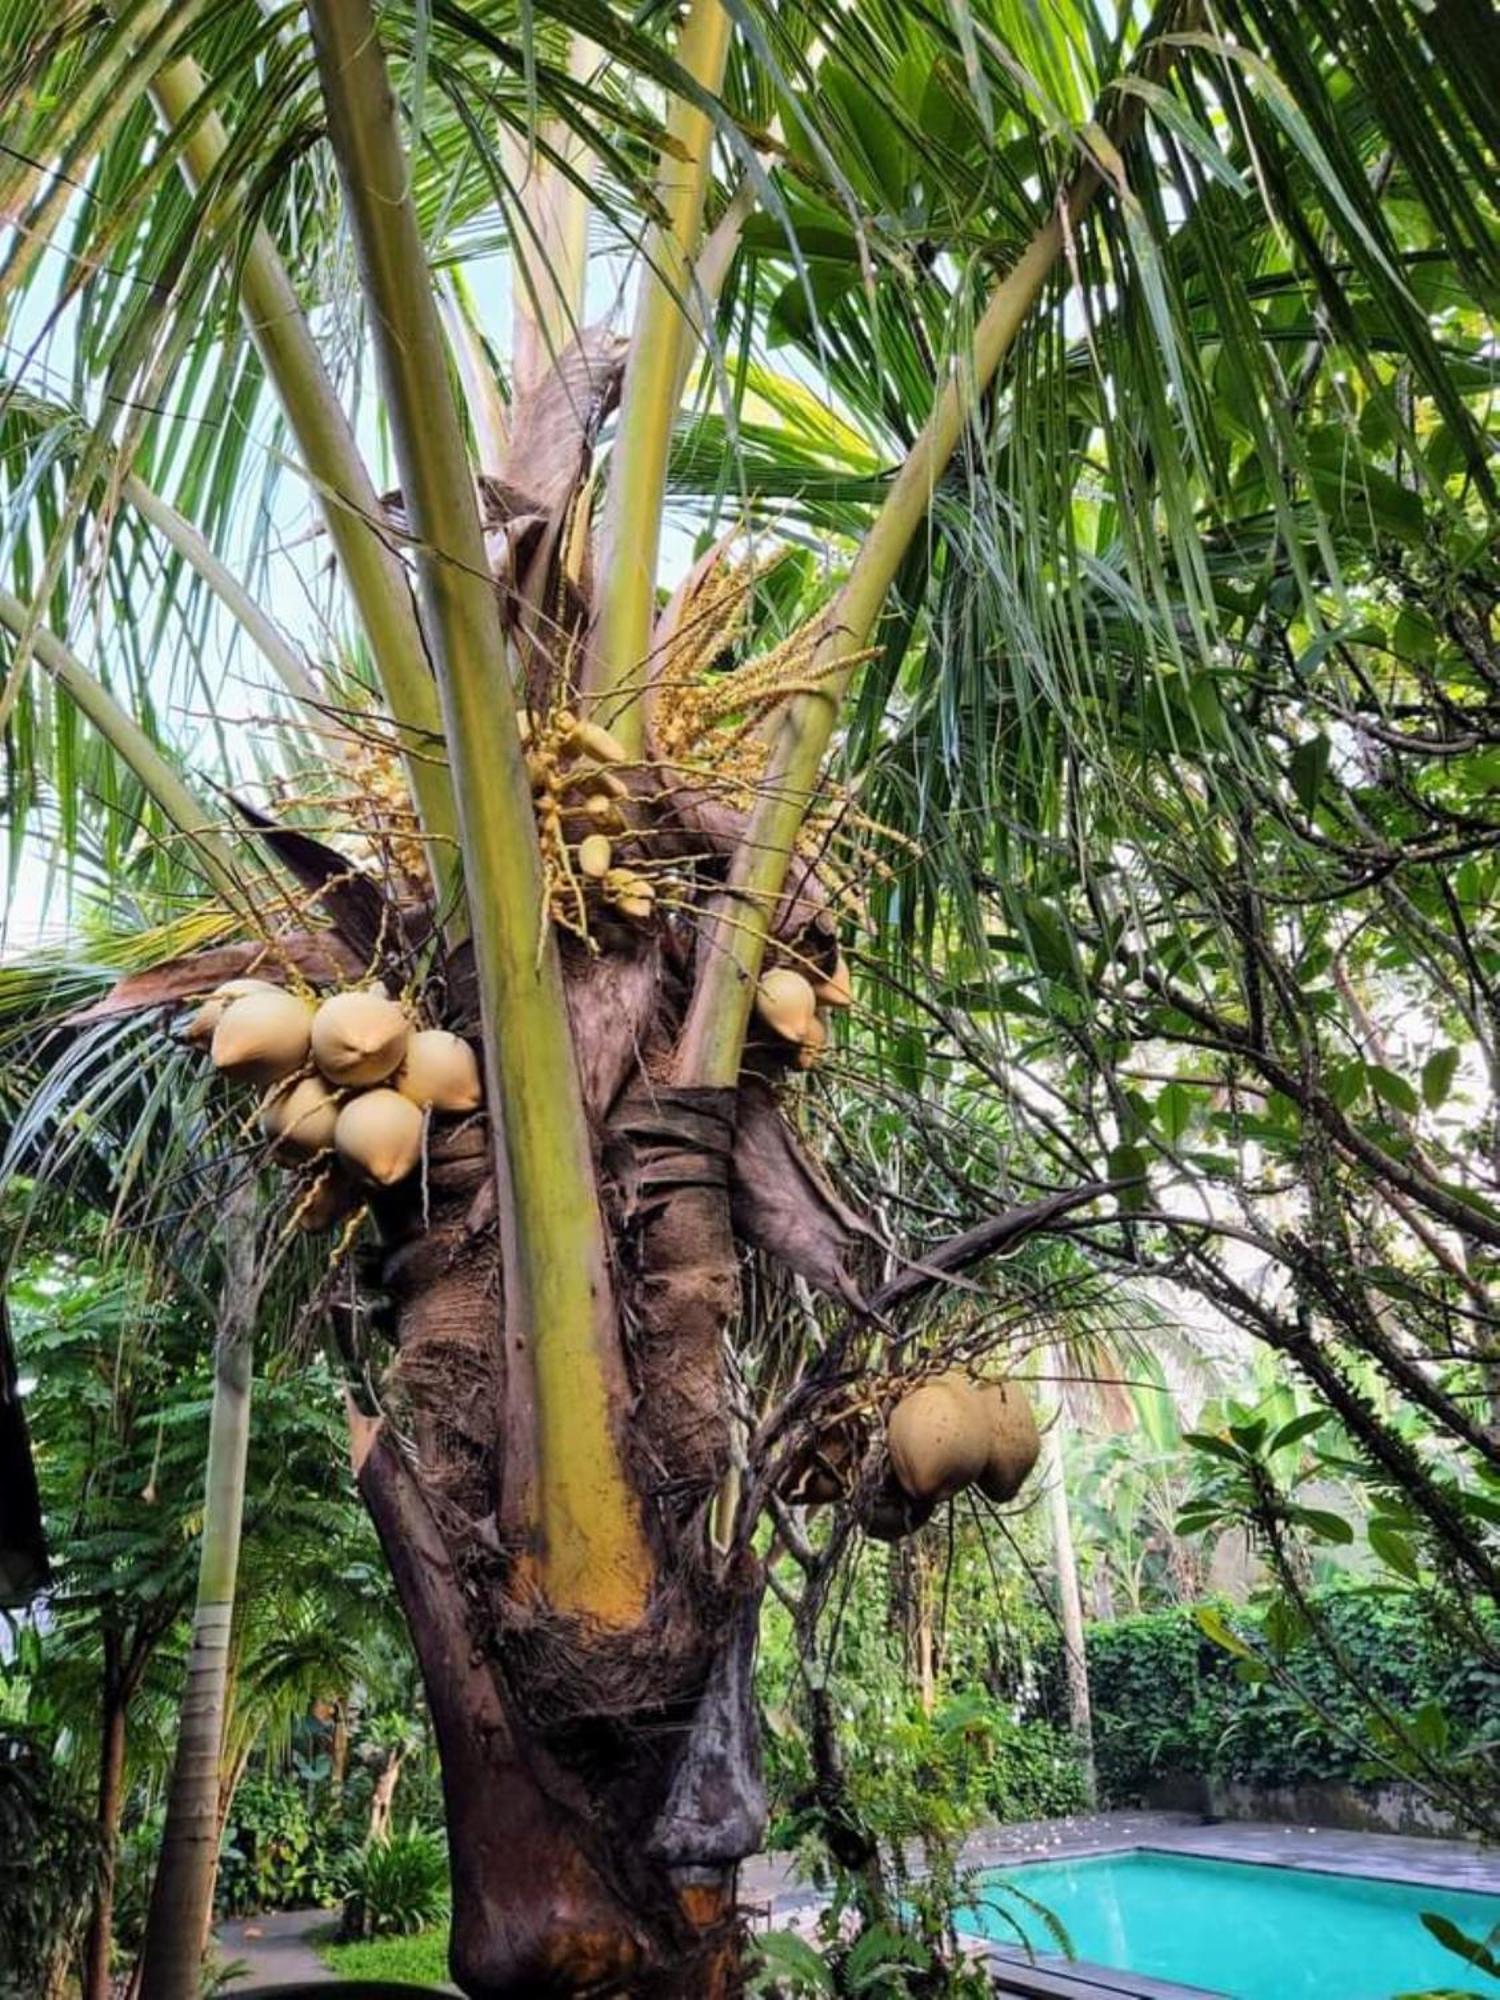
[(200, 1029), (590, 740), (379, 1135), (358, 1038), (327, 1201), (1014, 1442), (814, 1041), (786, 1003), (299, 1117), (595, 856), (938, 1436), (262, 1037), (836, 990), (441, 1071)]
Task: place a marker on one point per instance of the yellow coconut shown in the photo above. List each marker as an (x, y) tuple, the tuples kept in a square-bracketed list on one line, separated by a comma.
[(441, 1071), (379, 1135), (262, 1037), (837, 989), (595, 856), (786, 1003), (327, 1201), (200, 1029), (938, 1436), (1014, 1441), (358, 1038), (300, 1116)]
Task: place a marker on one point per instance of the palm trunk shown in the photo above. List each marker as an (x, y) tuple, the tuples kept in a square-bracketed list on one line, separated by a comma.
[(1069, 1598), (96, 1950), (182, 1893)]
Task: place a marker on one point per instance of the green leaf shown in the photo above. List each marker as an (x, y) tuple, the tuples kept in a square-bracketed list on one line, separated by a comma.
[(1212, 1622), (1299, 1428), (1328, 1527), (1128, 1164), (1308, 768), (1437, 1076), (1393, 1549), (1215, 1446), (1451, 1938), (1392, 1089)]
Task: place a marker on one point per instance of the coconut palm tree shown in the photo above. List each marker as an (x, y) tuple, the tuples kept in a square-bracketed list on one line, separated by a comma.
[(596, 805)]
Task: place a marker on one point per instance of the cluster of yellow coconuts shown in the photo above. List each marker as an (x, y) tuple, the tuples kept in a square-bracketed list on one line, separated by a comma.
[(349, 1074), (953, 1431), (794, 1007)]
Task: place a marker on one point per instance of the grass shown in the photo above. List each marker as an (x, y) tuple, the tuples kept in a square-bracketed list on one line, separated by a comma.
[(422, 1960)]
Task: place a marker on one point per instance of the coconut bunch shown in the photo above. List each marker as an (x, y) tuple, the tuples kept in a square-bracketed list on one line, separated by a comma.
[(953, 1431), (793, 1007), (349, 1082)]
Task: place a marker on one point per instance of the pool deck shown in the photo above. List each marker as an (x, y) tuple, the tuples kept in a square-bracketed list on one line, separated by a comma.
[(774, 1898)]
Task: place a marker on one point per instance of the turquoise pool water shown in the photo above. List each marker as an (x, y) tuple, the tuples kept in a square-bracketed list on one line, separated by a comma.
[(1254, 1932)]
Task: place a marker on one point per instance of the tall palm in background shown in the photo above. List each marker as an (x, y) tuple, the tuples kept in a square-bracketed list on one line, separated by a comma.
[(1177, 232)]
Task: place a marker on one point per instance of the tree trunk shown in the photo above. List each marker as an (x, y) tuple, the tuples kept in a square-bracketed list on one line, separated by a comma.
[(182, 1893), (96, 1950), (600, 1783), (383, 1797), (1069, 1597)]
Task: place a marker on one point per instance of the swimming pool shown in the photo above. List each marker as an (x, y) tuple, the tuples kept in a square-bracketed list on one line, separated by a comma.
[(1245, 1929)]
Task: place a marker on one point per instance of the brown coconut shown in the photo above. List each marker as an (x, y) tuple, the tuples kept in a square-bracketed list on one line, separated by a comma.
[(299, 1117), (262, 1037), (440, 1070), (200, 1029), (785, 1001), (1015, 1443), (358, 1038), (938, 1436), (893, 1514), (814, 1041), (379, 1136)]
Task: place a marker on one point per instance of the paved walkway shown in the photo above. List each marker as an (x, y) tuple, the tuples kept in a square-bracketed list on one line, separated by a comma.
[(274, 1948)]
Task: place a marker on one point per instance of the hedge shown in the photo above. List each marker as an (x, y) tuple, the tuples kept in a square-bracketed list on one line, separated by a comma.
[(1168, 1701)]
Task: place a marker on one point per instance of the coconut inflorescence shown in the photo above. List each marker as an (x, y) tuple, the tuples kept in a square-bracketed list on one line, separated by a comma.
[(951, 1431)]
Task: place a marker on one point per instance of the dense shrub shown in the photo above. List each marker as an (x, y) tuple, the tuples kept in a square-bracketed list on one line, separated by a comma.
[(1169, 1701), (396, 1886), (49, 1857), (282, 1849)]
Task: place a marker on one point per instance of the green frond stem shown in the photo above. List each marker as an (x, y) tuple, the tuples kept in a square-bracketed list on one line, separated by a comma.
[(593, 1557), (631, 542), (481, 392), (211, 853), (372, 570), (549, 241), (180, 534), (734, 941), (709, 273)]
